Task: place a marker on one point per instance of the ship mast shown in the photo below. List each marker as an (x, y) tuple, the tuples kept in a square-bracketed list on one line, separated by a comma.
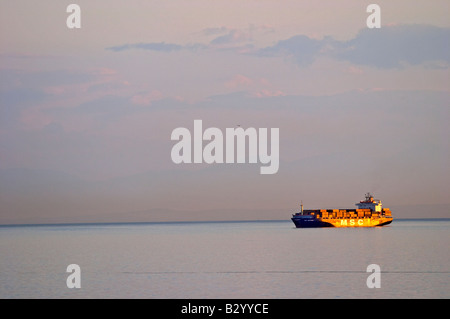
[(369, 197)]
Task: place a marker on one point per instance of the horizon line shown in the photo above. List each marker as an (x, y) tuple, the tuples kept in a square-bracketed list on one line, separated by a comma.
[(192, 222)]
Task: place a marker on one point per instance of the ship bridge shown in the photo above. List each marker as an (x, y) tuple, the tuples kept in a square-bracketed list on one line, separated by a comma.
[(371, 203)]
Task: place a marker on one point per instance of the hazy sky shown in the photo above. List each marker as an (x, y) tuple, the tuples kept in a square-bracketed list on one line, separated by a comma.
[(86, 114)]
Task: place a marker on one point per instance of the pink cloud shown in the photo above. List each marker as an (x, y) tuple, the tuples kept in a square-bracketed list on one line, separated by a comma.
[(146, 98), (355, 70), (258, 87), (239, 80), (105, 81), (269, 93)]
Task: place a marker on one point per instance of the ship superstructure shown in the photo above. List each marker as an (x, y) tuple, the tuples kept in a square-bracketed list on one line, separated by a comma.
[(369, 213)]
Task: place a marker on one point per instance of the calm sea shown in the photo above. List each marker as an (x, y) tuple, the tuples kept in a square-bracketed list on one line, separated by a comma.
[(261, 259)]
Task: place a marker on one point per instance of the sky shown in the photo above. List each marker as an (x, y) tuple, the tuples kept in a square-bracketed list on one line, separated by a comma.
[(86, 115)]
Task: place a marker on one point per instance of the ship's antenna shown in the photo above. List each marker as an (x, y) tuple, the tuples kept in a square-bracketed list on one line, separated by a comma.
[(301, 205)]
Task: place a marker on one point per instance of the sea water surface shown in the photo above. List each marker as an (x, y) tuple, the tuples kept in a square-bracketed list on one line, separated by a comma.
[(260, 259)]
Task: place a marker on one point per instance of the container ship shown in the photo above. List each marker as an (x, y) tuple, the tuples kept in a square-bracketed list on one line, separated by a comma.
[(370, 213)]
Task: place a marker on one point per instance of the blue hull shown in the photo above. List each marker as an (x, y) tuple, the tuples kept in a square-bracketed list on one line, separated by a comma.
[(309, 223)]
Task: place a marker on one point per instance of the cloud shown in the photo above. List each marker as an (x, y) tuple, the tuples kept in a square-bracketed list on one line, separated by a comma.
[(300, 47), (269, 93), (215, 31), (256, 87), (392, 46), (387, 47), (223, 38), (153, 46), (233, 36), (146, 98), (230, 38), (239, 80)]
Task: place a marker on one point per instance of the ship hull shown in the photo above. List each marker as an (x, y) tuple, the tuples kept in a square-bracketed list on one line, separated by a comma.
[(308, 222)]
